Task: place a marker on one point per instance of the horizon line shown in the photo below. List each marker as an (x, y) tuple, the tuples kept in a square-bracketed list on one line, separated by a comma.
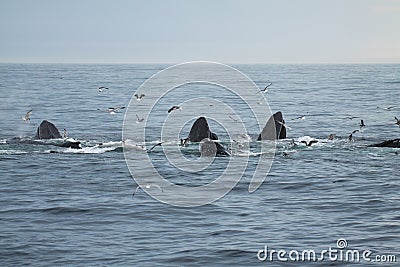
[(228, 63)]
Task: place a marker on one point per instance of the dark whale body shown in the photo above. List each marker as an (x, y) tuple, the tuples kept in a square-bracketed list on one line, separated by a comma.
[(18, 140), (274, 128), (47, 130), (200, 131), (395, 143)]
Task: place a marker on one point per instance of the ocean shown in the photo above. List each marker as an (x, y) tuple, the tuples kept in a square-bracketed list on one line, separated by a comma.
[(77, 208)]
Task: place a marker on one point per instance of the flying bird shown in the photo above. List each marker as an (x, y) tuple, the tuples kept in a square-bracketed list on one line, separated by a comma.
[(397, 121), (362, 125), (139, 96), (388, 108), (27, 116), (351, 135), (265, 90), (102, 88), (174, 108), (139, 119), (310, 142), (112, 111)]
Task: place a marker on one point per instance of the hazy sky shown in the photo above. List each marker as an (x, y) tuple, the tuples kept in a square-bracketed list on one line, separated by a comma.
[(150, 31)]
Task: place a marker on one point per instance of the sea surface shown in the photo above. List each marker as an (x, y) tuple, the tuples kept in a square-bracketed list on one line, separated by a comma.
[(77, 208)]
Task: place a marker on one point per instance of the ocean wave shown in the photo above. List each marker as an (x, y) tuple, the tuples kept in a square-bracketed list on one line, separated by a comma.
[(12, 152)]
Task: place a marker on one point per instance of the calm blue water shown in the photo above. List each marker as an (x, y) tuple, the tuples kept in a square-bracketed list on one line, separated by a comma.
[(76, 207)]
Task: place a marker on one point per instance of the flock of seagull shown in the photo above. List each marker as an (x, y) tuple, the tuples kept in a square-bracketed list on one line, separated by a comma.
[(184, 142), (139, 97)]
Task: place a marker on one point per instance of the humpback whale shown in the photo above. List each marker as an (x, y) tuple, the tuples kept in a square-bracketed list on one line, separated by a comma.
[(395, 143), (274, 128), (47, 130), (201, 131)]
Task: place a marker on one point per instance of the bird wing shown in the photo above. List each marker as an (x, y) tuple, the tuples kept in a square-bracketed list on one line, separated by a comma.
[(159, 144), (266, 87), (171, 109), (118, 108)]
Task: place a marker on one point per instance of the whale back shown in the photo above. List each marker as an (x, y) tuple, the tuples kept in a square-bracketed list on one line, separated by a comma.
[(200, 130), (273, 129), (47, 130), (395, 143)]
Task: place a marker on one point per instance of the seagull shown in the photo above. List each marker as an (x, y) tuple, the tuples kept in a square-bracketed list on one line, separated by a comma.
[(331, 137), (397, 121), (302, 117), (112, 111), (351, 135), (283, 124), (310, 142), (158, 144), (65, 134), (102, 88), (139, 119), (27, 116), (147, 186), (139, 97), (388, 108), (234, 119), (265, 90), (351, 117), (362, 125), (184, 142), (174, 108)]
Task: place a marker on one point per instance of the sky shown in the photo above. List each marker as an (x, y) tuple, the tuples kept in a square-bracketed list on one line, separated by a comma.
[(174, 31)]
